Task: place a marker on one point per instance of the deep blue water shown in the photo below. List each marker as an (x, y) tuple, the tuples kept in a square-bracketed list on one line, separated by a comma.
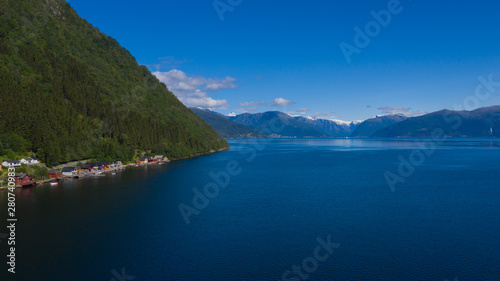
[(441, 223)]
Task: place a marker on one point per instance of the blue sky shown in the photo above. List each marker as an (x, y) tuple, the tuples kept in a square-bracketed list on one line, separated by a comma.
[(286, 55)]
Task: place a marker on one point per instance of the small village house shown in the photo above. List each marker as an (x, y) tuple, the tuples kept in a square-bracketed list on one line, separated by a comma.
[(102, 166), (30, 161), (54, 174), (69, 171), (11, 163), (115, 164), (23, 179), (87, 168)]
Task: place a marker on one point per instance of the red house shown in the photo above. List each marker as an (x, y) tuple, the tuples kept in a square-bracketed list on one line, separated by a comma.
[(55, 175), (23, 179), (88, 168)]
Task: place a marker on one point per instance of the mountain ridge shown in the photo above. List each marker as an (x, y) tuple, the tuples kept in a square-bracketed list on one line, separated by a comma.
[(372, 125), (226, 127), (480, 122), (278, 124)]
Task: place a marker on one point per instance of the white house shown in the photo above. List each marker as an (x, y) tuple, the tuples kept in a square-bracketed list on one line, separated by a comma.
[(30, 161), (69, 171), (162, 158), (11, 163)]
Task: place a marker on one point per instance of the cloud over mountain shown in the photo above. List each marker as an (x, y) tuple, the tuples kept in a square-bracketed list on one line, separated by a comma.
[(251, 104), (192, 90), (299, 111), (407, 111), (281, 102)]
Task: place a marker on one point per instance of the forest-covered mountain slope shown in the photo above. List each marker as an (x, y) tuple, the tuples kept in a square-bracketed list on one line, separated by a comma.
[(72, 92)]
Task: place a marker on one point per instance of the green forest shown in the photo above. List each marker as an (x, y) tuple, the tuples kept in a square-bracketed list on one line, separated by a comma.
[(69, 92)]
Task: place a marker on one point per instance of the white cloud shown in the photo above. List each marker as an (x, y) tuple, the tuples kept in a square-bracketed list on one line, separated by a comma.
[(191, 90), (299, 111), (168, 62), (281, 102), (246, 109), (251, 103), (302, 110), (400, 110), (252, 106), (215, 84), (199, 98), (328, 115)]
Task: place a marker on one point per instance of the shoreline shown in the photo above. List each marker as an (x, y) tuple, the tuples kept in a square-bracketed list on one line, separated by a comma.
[(123, 167), (201, 154)]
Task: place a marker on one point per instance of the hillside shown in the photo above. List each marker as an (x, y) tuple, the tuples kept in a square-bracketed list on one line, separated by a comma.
[(482, 122), (372, 125), (225, 127), (278, 124), (71, 92)]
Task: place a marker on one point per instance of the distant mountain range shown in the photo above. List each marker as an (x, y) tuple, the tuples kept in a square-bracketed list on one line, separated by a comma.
[(332, 128), (482, 122), (226, 128), (372, 125), (274, 124)]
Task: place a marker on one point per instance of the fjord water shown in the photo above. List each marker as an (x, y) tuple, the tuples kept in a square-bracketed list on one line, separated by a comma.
[(440, 223)]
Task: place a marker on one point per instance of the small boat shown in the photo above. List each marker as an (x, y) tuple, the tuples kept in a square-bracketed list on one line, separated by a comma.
[(113, 173), (53, 183)]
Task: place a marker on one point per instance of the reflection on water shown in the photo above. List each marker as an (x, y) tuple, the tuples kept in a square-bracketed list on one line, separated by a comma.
[(371, 143)]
